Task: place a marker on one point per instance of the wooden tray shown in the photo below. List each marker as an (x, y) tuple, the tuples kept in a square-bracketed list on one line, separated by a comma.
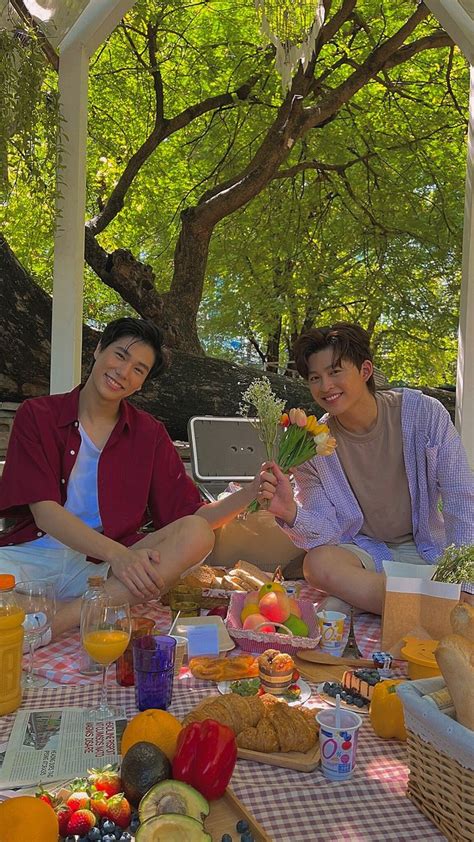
[(296, 760), (224, 815)]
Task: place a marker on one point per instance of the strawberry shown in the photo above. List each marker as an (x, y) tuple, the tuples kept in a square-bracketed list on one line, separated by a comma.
[(63, 813), (81, 822), (47, 797), (106, 780), (99, 803), (119, 810), (78, 800), (296, 675)]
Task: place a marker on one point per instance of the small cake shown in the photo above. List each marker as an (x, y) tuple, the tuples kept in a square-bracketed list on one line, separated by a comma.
[(275, 670), (361, 682)]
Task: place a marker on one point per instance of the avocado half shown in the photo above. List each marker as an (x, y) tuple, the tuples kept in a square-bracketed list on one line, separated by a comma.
[(173, 797), (172, 827)]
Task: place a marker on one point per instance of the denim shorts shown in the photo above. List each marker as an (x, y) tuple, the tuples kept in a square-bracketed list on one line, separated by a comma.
[(66, 568)]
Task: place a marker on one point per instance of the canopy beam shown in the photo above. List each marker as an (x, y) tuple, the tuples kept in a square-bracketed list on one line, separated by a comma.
[(465, 371)]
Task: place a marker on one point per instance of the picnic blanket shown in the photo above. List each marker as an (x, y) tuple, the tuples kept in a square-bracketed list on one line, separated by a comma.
[(60, 661)]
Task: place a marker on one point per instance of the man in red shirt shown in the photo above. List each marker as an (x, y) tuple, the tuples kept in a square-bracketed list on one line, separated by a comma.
[(85, 470)]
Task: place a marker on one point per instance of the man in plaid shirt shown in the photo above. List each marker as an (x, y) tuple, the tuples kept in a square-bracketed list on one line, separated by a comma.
[(378, 496)]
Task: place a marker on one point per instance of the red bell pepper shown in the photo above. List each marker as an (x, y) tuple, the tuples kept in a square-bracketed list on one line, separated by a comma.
[(205, 757)]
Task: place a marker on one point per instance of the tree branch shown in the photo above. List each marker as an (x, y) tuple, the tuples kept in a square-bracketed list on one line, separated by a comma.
[(47, 48)]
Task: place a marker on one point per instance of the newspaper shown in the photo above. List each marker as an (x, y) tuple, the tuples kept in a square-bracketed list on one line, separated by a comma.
[(50, 745)]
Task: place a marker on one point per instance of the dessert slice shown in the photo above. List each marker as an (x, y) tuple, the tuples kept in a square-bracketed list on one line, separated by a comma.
[(361, 682)]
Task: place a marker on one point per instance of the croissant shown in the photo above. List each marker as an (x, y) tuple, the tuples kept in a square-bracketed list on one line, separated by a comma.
[(261, 723)]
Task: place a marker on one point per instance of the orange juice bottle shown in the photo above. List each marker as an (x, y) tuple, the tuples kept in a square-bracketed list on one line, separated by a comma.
[(11, 646)]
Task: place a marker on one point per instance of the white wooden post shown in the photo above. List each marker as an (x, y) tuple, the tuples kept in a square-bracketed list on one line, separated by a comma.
[(66, 338), (465, 372), (93, 26)]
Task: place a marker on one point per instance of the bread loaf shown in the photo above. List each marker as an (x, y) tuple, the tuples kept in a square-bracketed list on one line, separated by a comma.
[(455, 657)]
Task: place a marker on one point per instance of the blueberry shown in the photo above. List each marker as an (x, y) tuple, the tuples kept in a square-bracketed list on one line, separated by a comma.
[(94, 834), (349, 699), (246, 837), (108, 838), (126, 836), (70, 839), (326, 686), (241, 826), (226, 837), (359, 702), (109, 827), (118, 832)]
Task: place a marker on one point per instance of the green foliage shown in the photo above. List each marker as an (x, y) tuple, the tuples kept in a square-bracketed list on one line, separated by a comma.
[(366, 226)]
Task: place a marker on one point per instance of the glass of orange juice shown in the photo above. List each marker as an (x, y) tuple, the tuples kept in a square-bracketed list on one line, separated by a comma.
[(105, 633)]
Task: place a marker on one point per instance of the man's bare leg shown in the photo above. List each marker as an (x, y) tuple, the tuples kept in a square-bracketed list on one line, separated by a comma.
[(181, 544), (340, 573)]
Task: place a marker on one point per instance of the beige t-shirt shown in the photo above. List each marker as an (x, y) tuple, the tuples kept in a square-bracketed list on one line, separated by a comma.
[(374, 466)]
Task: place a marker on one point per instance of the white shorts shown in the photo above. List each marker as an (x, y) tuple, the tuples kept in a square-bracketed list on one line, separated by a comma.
[(405, 553), (68, 569)]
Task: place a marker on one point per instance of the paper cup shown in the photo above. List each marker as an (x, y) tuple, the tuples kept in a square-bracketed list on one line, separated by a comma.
[(331, 629), (180, 652), (338, 745)]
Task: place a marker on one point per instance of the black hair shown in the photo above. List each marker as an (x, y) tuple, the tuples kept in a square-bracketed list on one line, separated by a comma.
[(142, 330), (349, 341)]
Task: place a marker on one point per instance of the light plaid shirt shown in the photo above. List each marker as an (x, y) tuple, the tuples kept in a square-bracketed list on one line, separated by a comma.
[(436, 466)]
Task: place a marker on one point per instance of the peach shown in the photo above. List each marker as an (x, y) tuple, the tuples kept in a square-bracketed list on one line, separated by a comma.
[(269, 587), (247, 610), (275, 606), (252, 622), (294, 607), (251, 598)]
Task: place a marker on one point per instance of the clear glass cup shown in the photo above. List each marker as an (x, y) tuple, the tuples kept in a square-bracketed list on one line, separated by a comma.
[(105, 633), (37, 599)]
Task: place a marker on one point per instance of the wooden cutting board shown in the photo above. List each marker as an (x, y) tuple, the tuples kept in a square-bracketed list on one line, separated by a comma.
[(318, 657), (297, 760), (318, 673), (224, 815)]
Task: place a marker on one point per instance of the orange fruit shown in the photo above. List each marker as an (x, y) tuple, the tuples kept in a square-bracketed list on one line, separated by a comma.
[(154, 726), (27, 817)]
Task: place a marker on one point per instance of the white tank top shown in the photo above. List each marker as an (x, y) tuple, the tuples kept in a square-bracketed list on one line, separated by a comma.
[(82, 498)]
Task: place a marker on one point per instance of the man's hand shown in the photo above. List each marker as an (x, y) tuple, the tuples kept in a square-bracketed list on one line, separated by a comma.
[(275, 492), (138, 571)]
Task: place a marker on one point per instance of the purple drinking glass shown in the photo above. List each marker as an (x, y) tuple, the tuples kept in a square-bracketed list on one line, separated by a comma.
[(153, 667)]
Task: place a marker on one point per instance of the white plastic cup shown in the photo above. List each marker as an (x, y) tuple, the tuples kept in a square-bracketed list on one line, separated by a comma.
[(338, 745), (331, 629), (180, 652)]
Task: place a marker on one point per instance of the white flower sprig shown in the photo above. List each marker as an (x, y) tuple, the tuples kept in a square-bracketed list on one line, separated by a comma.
[(260, 399)]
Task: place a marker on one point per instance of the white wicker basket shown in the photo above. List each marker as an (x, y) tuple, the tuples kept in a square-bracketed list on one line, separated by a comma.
[(441, 761)]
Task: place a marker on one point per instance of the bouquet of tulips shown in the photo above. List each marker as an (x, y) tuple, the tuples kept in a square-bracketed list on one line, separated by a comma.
[(290, 438)]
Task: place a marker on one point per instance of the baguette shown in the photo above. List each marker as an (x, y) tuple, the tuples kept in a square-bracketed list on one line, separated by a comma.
[(462, 621), (455, 657)]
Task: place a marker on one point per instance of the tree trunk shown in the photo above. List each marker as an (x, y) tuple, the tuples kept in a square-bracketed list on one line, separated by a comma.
[(193, 385)]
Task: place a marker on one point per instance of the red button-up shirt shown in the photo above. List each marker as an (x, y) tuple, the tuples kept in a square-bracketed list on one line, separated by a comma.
[(139, 470)]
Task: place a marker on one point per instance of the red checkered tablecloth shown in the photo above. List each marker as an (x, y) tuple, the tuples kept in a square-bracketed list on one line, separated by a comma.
[(60, 660), (293, 806)]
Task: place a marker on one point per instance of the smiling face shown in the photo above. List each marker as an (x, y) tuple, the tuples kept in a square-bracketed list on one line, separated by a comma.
[(338, 388), (121, 368)]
